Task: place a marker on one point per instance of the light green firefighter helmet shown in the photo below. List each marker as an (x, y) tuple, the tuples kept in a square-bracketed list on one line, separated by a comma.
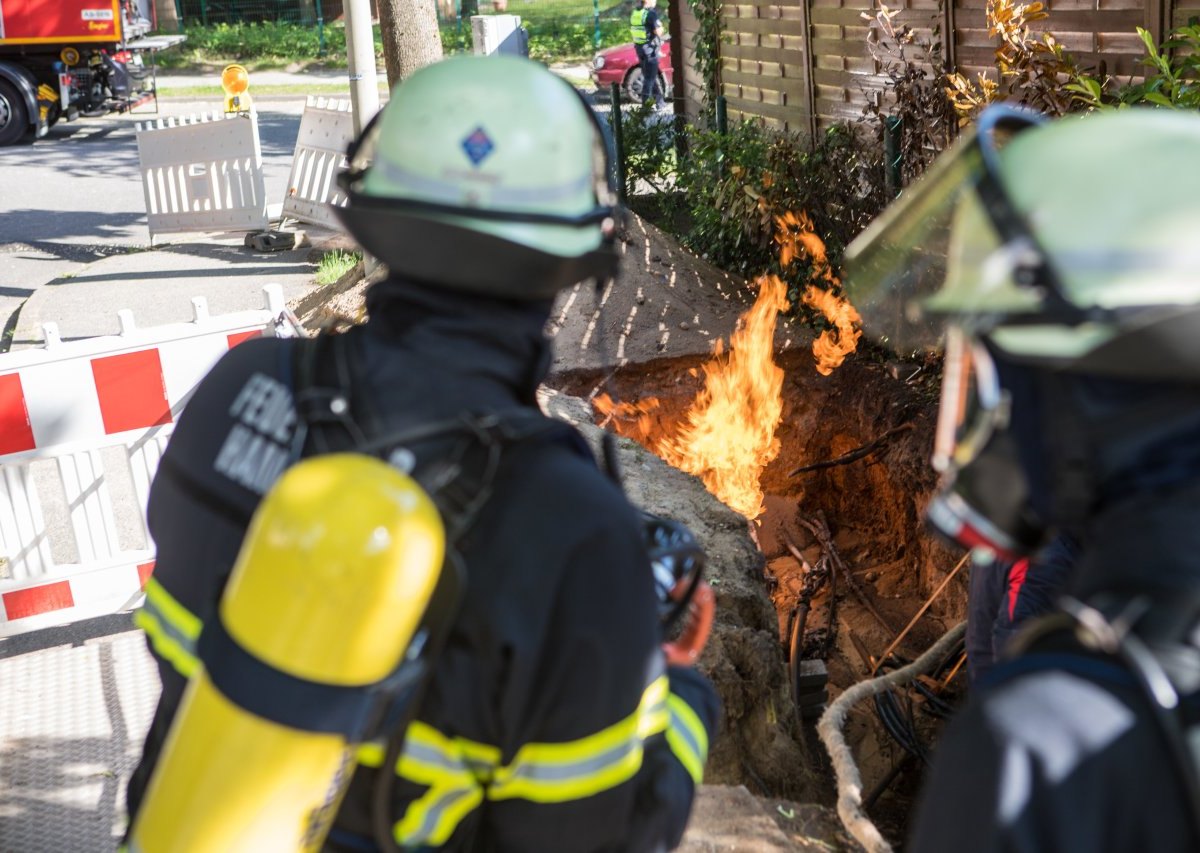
[(1074, 243), (487, 174)]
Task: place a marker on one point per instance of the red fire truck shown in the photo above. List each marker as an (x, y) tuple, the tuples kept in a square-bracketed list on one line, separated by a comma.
[(60, 59)]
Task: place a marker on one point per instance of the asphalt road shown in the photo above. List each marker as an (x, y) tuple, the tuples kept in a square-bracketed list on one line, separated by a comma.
[(75, 195)]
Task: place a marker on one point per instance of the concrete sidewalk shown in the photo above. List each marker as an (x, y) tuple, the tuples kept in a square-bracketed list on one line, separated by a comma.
[(158, 286)]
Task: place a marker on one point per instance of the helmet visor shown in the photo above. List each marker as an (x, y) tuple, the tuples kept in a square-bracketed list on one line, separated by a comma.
[(937, 250)]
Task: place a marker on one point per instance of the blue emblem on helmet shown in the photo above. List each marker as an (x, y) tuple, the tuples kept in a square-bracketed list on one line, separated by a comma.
[(478, 146)]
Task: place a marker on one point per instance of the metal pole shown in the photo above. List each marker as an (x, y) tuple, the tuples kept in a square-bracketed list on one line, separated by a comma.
[(360, 60), (892, 154), (618, 140), (722, 116), (596, 19), (203, 13), (320, 30)]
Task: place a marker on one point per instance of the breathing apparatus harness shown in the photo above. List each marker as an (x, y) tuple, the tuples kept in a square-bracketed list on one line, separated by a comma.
[(334, 415)]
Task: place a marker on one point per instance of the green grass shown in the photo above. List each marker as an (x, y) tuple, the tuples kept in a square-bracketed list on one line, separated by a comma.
[(559, 31), (333, 265)]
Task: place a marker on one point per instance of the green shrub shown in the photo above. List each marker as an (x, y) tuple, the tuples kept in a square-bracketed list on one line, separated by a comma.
[(557, 40), (649, 144), (736, 187), (1172, 81), (260, 45)]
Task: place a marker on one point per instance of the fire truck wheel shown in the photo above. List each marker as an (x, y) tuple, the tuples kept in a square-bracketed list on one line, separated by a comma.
[(14, 117)]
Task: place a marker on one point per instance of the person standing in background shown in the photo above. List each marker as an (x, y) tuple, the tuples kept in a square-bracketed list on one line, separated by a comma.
[(647, 30)]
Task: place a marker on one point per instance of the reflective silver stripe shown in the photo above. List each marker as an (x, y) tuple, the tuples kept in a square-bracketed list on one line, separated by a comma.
[(681, 728), (570, 771), (687, 737), (425, 188), (169, 628), (433, 817)]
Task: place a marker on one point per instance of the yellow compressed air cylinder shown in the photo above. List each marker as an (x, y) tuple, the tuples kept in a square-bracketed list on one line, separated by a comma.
[(330, 585)]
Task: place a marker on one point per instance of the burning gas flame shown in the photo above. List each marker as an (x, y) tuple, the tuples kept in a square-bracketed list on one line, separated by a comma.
[(796, 238), (728, 435)]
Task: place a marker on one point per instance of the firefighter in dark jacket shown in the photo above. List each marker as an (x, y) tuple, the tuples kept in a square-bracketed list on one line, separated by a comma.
[(1071, 401), (552, 720)]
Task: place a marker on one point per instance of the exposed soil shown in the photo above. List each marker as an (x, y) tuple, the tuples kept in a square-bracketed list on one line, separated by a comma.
[(873, 509)]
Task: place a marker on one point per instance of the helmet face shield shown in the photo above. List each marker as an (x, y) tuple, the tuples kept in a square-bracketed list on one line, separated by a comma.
[(900, 260), (952, 244)]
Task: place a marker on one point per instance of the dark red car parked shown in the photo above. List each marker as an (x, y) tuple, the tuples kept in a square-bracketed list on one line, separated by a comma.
[(620, 65)]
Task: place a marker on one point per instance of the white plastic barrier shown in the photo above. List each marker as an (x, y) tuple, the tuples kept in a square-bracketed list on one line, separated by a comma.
[(202, 173), (495, 34), (326, 129), (64, 409)]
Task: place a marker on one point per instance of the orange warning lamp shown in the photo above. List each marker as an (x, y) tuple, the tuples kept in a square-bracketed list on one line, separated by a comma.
[(235, 81)]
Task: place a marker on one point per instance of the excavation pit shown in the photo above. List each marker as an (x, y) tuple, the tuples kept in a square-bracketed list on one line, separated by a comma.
[(872, 508)]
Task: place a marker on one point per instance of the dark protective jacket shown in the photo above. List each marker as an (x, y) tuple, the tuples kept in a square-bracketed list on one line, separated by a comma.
[(1060, 751), (550, 722), (1003, 596)]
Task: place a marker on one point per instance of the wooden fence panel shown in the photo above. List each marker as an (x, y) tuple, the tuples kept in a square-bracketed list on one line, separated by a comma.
[(764, 69), (803, 64)]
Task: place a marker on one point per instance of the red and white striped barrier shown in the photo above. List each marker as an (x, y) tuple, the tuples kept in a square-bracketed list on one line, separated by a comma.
[(82, 427)]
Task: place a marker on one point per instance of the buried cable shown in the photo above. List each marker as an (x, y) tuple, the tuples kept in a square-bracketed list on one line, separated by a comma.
[(921, 612), (820, 530), (853, 455)]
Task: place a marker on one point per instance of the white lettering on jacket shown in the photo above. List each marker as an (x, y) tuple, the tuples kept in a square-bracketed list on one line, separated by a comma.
[(257, 449)]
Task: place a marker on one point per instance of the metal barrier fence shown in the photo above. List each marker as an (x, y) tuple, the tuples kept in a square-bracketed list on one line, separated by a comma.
[(568, 28)]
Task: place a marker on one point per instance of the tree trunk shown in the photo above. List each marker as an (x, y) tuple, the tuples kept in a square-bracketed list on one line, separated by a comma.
[(167, 16), (411, 38)]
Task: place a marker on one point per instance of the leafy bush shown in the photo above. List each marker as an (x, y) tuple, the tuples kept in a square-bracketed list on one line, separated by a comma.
[(566, 40), (1032, 71), (648, 139), (914, 109), (1173, 80), (737, 186), (261, 44)]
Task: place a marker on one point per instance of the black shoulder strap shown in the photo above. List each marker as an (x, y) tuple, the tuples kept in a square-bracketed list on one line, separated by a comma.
[(328, 406), (333, 415)]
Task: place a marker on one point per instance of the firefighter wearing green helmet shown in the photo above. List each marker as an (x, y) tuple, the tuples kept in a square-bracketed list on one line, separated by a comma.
[(548, 712), (1059, 263)]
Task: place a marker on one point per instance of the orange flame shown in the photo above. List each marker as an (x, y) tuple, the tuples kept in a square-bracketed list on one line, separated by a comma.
[(833, 345), (796, 238), (729, 433), (638, 417)]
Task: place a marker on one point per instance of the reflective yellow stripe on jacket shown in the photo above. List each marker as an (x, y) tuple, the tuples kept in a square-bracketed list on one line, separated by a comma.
[(460, 773), (637, 26), (171, 627)]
